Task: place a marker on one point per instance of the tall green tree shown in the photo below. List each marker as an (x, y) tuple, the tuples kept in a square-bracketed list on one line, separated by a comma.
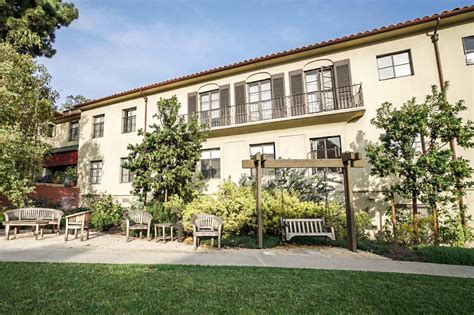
[(26, 113), (30, 25), (73, 100), (164, 163), (414, 148)]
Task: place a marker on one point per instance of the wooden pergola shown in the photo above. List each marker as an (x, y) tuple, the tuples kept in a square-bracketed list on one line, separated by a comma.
[(347, 161)]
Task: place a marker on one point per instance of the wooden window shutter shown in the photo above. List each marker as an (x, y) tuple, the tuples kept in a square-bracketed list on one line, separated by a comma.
[(224, 98), (240, 106), (192, 103), (278, 87), (342, 74), (297, 93)]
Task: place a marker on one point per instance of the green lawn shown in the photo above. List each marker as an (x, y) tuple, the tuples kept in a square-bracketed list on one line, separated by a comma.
[(95, 288)]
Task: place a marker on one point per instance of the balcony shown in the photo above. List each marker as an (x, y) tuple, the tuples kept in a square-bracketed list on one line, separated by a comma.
[(328, 106)]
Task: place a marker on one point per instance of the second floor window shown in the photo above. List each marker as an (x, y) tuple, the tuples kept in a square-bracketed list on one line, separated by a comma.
[(95, 172), (265, 148), (320, 90), (51, 132), (211, 163), (394, 65), (98, 127), (326, 148), (260, 100), (210, 108), (73, 131), (129, 120), (126, 176), (468, 44)]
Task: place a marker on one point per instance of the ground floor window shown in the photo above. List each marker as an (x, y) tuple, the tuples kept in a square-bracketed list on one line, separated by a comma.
[(326, 148), (211, 163), (126, 176), (95, 172), (263, 148)]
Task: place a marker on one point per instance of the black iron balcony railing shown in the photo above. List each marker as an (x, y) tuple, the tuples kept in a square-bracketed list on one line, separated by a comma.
[(282, 107)]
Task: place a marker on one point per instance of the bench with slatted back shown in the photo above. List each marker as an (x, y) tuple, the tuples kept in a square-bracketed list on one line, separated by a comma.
[(27, 216), (206, 225), (305, 227)]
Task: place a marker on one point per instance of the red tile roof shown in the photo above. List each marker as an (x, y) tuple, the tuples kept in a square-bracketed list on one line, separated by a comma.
[(382, 29)]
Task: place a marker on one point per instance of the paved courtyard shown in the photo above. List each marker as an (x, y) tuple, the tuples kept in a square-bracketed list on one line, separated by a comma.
[(112, 248)]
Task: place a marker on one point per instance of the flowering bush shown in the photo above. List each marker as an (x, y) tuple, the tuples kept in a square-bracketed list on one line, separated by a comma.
[(236, 206)]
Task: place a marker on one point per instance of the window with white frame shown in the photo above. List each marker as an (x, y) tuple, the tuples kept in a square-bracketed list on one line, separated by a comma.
[(260, 100), (394, 65), (211, 163), (95, 172), (263, 148), (126, 176), (210, 108), (326, 148), (74, 131), (468, 45), (320, 89), (98, 126)]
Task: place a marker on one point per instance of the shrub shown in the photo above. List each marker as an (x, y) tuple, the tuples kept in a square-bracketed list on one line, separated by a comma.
[(106, 213), (446, 255), (236, 206)]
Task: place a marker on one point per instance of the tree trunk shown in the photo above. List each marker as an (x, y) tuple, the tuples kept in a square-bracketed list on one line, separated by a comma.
[(394, 218), (415, 218), (435, 224)]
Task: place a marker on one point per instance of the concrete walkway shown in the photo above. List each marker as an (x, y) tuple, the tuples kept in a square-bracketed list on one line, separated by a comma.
[(107, 248)]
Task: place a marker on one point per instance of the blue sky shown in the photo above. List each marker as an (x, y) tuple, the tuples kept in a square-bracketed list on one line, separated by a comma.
[(117, 45)]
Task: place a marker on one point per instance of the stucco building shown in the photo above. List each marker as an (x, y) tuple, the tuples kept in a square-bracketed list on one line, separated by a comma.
[(316, 100)]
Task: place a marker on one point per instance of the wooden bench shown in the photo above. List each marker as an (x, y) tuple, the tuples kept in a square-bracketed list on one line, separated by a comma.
[(137, 220), (206, 225), (305, 227), (25, 216), (79, 221)]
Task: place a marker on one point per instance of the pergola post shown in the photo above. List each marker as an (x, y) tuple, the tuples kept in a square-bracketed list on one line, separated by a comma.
[(347, 159), (258, 179)]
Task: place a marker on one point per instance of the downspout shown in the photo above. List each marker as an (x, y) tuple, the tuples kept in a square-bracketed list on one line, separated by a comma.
[(434, 40), (145, 98)]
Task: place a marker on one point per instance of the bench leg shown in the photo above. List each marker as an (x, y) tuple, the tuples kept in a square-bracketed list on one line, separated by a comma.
[(141, 234), (164, 235), (212, 241), (75, 233), (219, 242), (15, 230), (87, 235), (148, 233), (66, 233), (82, 234), (195, 242), (171, 233), (59, 228), (42, 232), (156, 234), (7, 231), (36, 231)]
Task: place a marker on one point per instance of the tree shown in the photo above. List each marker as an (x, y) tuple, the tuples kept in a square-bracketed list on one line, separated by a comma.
[(73, 100), (414, 149), (30, 25), (26, 113), (164, 163)]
